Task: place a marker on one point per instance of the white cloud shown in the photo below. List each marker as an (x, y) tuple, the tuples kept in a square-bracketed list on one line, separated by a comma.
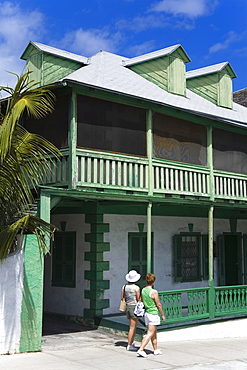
[(89, 42), (141, 49), (232, 37), (140, 23), (18, 27), (187, 8)]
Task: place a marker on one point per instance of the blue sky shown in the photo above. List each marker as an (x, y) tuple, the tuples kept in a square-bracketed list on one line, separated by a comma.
[(210, 31)]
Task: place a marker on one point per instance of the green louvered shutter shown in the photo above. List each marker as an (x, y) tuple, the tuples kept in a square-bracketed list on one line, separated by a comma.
[(64, 259), (205, 259), (177, 258), (138, 254)]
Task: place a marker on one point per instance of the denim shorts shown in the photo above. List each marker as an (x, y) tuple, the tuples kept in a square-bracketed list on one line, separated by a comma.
[(130, 308)]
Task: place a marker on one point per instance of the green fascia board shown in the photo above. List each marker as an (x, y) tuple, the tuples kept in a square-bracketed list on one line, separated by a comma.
[(137, 199)]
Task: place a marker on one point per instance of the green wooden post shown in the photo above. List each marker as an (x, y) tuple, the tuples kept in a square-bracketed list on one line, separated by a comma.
[(149, 120), (149, 238), (210, 161), (32, 300), (72, 143), (45, 209), (211, 262), (32, 303)]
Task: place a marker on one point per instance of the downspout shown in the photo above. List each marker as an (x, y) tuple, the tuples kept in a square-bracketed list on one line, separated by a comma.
[(150, 189), (210, 161), (210, 221), (72, 137)]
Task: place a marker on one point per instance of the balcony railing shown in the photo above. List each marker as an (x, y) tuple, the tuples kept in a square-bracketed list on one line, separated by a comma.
[(196, 304), (120, 172)]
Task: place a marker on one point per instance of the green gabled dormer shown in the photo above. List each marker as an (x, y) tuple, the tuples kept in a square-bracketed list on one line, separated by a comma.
[(213, 83), (50, 64), (165, 68)]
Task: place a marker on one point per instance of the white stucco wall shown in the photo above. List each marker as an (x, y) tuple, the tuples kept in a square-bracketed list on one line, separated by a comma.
[(163, 228), (11, 284), (69, 301)]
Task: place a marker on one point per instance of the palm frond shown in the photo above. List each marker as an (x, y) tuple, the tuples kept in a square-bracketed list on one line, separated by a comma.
[(26, 96), (27, 224)]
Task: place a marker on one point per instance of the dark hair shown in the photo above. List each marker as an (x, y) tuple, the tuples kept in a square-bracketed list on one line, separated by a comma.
[(150, 278)]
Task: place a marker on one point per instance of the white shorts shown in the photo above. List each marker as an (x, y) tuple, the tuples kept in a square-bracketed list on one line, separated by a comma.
[(151, 319)]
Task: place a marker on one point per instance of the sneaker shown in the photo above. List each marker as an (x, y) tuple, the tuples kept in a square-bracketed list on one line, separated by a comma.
[(142, 353), (131, 347), (157, 352)]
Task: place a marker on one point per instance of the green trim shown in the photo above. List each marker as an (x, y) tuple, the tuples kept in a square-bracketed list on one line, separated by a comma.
[(97, 264), (32, 301), (138, 254), (64, 259)]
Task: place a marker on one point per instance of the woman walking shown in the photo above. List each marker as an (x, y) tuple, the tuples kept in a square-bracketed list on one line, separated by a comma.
[(131, 293), (153, 307)]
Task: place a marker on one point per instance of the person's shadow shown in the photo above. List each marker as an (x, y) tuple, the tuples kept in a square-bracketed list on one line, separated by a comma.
[(124, 344)]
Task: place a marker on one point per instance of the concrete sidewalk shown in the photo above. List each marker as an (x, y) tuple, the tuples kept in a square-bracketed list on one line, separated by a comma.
[(79, 348)]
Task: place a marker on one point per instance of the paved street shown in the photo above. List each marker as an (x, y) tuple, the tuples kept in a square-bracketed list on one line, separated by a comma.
[(71, 347)]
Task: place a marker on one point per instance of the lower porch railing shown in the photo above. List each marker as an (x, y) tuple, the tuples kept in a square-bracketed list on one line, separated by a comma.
[(201, 303)]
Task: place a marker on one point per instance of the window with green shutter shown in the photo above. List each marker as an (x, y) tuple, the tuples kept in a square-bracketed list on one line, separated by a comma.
[(138, 254), (64, 259), (190, 257)]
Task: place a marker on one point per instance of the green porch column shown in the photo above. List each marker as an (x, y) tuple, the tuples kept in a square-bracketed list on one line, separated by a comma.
[(149, 123), (149, 238), (97, 263), (211, 261), (72, 138), (210, 161), (32, 300), (32, 296)]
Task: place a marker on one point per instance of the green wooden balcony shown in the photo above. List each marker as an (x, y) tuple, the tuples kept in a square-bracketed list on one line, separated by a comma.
[(118, 172), (204, 303)]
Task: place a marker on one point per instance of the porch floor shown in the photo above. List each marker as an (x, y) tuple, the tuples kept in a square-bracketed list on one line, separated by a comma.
[(119, 323)]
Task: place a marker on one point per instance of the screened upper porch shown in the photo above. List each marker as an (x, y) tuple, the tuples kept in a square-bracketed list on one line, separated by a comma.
[(113, 148)]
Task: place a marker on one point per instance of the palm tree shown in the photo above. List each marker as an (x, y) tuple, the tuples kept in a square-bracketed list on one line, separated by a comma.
[(24, 159)]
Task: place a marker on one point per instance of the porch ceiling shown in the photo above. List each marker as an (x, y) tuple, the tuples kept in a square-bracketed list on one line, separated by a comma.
[(183, 209)]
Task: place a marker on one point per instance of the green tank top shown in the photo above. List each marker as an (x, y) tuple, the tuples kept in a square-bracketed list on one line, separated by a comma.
[(149, 303)]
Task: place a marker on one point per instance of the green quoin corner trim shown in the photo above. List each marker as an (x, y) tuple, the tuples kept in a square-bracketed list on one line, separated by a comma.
[(97, 263), (32, 296)]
